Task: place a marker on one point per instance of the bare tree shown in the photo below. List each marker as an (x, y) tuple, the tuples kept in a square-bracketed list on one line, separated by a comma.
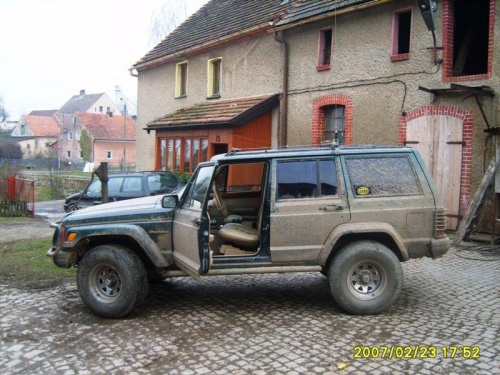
[(3, 111), (166, 19)]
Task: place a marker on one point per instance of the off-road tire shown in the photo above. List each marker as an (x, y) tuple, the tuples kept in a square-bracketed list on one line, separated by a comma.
[(365, 277), (112, 281)]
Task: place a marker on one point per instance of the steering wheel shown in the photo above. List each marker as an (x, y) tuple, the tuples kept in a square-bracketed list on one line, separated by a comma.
[(218, 201)]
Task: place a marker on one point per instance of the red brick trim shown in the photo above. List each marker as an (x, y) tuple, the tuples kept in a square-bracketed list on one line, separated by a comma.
[(468, 126), (400, 57), (448, 23), (318, 120)]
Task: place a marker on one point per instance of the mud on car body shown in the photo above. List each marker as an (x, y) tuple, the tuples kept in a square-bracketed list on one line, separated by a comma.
[(352, 213)]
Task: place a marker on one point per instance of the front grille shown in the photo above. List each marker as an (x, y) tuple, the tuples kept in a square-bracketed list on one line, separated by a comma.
[(440, 224)]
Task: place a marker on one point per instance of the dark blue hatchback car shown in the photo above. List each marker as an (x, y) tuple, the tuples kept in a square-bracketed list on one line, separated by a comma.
[(123, 186)]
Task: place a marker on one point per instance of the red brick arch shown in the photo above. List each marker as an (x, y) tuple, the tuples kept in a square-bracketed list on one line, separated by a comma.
[(468, 126), (318, 120)]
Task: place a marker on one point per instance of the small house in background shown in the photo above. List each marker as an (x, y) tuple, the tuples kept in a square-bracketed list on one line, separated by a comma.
[(90, 103), (96, 138), (43, 112), (35, 135)]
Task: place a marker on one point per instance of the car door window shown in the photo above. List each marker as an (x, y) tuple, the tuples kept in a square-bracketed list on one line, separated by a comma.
[(132, 185), (199, 188), (114, 184), (306, 179)]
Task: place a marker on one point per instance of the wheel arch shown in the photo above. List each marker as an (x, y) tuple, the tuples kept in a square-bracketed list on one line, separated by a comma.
[(379, 232), (130, 236)]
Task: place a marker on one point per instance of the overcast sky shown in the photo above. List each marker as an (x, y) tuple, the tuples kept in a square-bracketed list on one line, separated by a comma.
[(51, 49)]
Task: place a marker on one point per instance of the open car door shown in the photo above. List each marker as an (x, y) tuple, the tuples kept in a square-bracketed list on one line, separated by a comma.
[(191, 226)]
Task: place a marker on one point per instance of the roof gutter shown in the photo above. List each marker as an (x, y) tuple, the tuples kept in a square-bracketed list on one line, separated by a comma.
[(164, 59), (330, 14)]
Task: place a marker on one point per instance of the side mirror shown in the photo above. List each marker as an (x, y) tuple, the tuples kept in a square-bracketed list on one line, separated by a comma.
[(170, 201)]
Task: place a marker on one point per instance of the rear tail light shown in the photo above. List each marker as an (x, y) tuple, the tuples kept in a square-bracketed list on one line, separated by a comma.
[(440, 224)]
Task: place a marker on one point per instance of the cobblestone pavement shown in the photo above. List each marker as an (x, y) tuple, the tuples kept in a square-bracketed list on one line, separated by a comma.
[(258, 324)]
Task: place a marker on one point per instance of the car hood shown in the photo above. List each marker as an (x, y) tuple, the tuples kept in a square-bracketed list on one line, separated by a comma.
[(131, 210), (121, 206)]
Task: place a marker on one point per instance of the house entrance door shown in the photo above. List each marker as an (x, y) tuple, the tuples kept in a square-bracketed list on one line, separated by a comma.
[(439, 140), (219, 148)]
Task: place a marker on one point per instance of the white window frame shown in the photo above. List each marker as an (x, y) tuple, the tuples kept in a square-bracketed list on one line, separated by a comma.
[(70, 136), (68, 154), (109, 154)]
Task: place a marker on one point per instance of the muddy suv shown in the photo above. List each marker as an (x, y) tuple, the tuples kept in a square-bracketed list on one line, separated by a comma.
[(353, 214)]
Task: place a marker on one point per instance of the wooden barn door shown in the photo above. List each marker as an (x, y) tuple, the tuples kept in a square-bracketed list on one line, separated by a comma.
[(439, 140)]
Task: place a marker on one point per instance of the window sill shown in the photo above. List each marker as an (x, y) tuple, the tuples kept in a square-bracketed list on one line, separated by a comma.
[(216, 96), (475, 77), (400, 57), (181, 97), (321, 68)]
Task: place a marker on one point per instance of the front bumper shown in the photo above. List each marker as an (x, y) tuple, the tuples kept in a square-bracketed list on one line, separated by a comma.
[(61, 258), (440, 246)]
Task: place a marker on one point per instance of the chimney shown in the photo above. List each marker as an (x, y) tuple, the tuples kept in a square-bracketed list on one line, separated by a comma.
[(110, 114), (82, 92)]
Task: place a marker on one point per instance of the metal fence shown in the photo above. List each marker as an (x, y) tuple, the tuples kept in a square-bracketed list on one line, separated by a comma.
[(42, 164), (17, 197)]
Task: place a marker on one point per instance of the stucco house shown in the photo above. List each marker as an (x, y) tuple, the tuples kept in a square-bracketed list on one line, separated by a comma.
[(360, 71), (90, 103), (35, 135), (104, 137)]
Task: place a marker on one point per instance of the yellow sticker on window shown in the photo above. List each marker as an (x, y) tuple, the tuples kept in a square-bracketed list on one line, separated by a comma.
[(363, 190)]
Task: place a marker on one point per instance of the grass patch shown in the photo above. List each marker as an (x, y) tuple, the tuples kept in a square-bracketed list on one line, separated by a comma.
[(9, 219), (25, 264), (42, 193)]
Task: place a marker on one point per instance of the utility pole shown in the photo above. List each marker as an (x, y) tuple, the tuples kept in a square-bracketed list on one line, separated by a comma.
[(124, 136)]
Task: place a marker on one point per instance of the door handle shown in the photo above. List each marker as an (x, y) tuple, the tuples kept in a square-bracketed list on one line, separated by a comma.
[(196, 222), (332, 207)]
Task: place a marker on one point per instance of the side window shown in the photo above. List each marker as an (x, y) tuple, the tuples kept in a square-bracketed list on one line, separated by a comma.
[(297, 179), (306, 179), (115, 184), (382, 177), (94, 189), (132, 185), (328, 177), (161, 182), (199, 188)]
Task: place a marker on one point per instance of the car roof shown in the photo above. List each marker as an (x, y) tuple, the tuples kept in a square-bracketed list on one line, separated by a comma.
[(236, 154), (138, 174)]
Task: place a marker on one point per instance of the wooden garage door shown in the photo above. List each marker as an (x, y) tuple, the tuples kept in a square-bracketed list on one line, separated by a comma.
[(439, 140)]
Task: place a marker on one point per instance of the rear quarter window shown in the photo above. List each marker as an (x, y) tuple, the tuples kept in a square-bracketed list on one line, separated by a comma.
[(382, 177)]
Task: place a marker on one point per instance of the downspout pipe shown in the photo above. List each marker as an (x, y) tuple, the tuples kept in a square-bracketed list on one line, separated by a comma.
[(282, 141)]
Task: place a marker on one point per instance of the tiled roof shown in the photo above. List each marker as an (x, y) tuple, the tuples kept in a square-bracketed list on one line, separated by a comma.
[(43, 126), (303, 9), (44, 112), (226, 112), (80, 103), (216, 19), (101, 126)]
